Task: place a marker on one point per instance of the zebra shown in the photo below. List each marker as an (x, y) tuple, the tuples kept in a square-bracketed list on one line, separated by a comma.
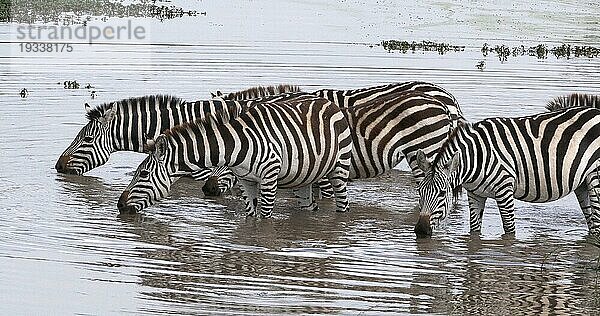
[(125, 125), (537, 158), (382, 130), (283, 144)]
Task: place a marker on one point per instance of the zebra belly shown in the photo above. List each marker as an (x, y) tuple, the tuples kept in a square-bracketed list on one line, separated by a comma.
[(288, 175), (310, 171), (543, 193)]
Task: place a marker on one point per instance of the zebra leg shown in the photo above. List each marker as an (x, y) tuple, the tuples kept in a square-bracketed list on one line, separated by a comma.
[(505, 200), (250, 193), (268, 189), (593, 212), (476, 206), (338, 179), (583, 197), (306, 200), (325, 189)]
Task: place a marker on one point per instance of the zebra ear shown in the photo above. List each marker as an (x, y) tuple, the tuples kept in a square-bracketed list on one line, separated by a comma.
[(149, 145), (454, 163), (422, 162), (109, 114), (160, 148), (212, 95), (87, 108)]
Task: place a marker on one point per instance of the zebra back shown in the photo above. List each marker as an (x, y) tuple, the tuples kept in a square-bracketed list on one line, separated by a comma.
[(257, 92), (573, 100), (348, 98)]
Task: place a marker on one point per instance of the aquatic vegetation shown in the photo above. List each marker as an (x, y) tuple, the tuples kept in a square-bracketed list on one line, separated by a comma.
[(541, 51), (503, 52), (5, 10), (172, 12), (480, 65), (69, 12), (24, 93), (71, 84), (427, 46)]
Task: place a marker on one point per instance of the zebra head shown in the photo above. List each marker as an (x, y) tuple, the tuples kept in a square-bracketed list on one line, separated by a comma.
[(151, 181), (435, 192), (93, 144)]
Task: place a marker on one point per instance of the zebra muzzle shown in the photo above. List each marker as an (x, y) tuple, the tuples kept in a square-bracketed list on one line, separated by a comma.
[(62, 163), (125, 209), (211, 187), (423, 228)]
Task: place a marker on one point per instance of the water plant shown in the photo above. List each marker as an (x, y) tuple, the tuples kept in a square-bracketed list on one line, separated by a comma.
[(540, 51), (480, 65), (69, 12), (405, 46)]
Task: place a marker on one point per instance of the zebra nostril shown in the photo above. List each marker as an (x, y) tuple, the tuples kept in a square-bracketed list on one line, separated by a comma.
[(61, 164)]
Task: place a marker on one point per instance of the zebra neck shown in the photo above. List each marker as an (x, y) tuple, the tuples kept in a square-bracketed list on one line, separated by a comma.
[(459, 144), (199, 147), (128, 139), (137, 123)]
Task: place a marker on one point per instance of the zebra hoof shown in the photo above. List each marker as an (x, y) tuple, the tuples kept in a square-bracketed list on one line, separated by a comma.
[(211, 187)]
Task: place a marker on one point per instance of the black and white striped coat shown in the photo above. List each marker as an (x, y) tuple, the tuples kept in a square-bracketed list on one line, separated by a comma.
[(536, 158), (127, 124), (388, 122), (355, 97), (288, 144)]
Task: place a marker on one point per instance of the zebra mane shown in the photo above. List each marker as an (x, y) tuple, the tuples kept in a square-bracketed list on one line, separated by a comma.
[(461, 125), (573, 100), (160, 99), (258, 92)]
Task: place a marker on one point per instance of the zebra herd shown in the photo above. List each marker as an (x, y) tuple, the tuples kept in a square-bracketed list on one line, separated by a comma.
[(266, 138)]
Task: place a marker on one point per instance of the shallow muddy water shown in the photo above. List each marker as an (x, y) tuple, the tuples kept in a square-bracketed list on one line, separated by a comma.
[(64, 251)]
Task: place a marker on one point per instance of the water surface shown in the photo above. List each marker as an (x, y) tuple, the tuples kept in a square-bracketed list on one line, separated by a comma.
[(64, 251)]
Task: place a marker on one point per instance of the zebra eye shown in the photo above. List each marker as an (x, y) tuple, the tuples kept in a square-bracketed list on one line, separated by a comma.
[(88, 139), (144, 173)]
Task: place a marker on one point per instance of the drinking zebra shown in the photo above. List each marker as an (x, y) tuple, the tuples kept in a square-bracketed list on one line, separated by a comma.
[(283, 144), (536, 158), (125, 125)]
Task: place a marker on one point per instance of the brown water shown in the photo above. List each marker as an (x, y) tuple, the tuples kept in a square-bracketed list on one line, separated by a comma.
[(64, 251)]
